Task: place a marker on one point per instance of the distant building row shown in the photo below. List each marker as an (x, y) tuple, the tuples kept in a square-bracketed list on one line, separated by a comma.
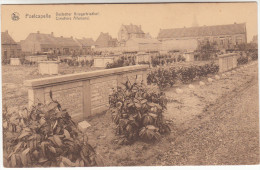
[(48, 43), (130, 37)]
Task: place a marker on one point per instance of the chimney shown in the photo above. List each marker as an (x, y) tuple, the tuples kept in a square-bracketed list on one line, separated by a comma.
[(6, 31), (61, 36), (235, 23), (51, 33), (71, 37), (38, 32)]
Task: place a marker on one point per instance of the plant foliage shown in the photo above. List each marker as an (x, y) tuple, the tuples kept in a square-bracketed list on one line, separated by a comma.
[(137, 110), (164, 77), (45, 136)]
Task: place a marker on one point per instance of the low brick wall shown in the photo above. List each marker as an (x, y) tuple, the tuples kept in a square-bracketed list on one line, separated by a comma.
[(102, 61), (15, 61), (48, 67), (143, 58), (83, 94), (37, 58), (227, 62)]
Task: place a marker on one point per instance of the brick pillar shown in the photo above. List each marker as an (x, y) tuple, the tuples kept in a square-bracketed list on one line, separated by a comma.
[(221, 62), (234, 60), (144, 75), (36, 96), (86, 99)]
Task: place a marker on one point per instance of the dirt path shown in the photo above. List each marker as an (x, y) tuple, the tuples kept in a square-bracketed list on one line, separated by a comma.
[(227, 133)]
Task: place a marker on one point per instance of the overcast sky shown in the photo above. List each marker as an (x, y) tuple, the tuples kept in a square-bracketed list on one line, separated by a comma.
[(109, 18)]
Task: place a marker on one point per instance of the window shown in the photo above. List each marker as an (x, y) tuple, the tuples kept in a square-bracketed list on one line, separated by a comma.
[(12, 52), (239, 40), (5, 53)]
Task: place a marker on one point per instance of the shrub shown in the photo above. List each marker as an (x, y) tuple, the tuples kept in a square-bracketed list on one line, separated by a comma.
[(187, 74), (254, 55), (45, 136), (144, 62), (138, 112), (87, 63), (26, 62), (181, 58), (82, 63), (91, 62), (121, 62), (5, 61), (70, 62), (164, 77), (76, 63), (242, 60)]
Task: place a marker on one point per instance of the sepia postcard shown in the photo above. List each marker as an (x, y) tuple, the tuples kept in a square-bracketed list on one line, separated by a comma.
[(136, 84)]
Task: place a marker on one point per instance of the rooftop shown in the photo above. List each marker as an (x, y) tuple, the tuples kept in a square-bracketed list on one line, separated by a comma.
[(215, 30)]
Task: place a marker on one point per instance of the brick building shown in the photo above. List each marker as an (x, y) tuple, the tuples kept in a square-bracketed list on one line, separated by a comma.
[(105, 40), (255, 39), (10, 48), (127, 32), (223, 36), (143, 44), (86, 44), (47, 43)]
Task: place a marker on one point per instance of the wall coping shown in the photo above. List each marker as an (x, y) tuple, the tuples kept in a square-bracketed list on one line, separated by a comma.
[(50, 81), (48, 62), (37, 56), (108, 57), (227, 55)]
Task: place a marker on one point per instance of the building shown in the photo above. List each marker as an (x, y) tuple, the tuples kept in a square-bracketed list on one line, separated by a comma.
[(254, 40), (182, 45), (86, 44), (143, 44), (66, 46), (223, 36), (105, 40), (47, 43), (127, 32), (10, 48)]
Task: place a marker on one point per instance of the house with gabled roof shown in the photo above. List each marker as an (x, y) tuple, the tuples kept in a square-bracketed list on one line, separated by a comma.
[(9, 47), (255, 39), (67, 45), (127, 32), (86, 44), (105, 40), (224, 36), (45, 43)]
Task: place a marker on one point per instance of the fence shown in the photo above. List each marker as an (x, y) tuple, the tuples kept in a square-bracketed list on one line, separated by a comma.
[(227, 61), (83, 94)]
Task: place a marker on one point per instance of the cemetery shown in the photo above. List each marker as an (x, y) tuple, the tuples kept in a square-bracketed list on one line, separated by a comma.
[(135, 100), (90, 94)]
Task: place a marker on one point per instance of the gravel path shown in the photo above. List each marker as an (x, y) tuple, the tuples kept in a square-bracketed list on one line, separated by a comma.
[(226, 133)]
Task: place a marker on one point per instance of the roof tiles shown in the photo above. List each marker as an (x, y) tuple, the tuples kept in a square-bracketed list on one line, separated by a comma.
[(216, 30)]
